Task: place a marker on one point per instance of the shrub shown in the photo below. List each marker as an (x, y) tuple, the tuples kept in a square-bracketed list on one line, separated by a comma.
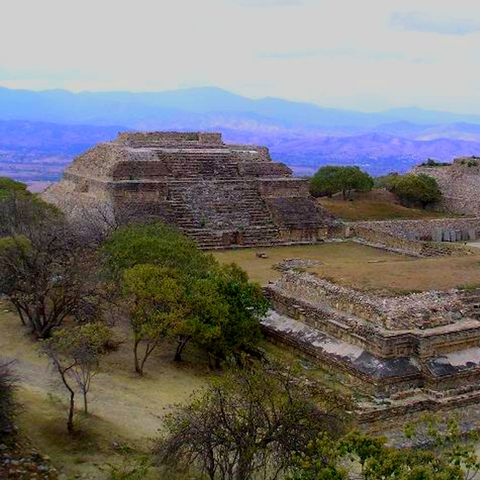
[(8, 406), (416, 189)]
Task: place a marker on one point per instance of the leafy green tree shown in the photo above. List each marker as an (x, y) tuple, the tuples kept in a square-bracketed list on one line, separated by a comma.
[(75, 354), (156, 297), (155, 244), (222, 314), (334, 179), (416, 189)]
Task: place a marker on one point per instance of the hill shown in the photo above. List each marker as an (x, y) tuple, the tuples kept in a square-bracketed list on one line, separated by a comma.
[(40, 132)]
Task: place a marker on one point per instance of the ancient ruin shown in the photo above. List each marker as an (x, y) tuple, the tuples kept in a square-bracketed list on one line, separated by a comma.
[(221, 195), (459, 183), (423, 346)]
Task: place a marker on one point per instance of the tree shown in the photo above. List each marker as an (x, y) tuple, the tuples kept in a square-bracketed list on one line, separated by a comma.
[(214, 306), (8, 404), (155, 299), (156, 244), (334, 179), (49, 275), (222, 313), (21, 210), (416, 189), (248, 423), (75, 354)]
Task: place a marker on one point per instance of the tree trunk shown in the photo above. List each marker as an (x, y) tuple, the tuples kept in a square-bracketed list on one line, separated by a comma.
[(138, 367), (85, 403), (182, 343), (344, 194), (70, 412)]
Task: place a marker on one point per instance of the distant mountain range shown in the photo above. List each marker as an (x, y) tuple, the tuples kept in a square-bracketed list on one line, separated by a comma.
[(40, 132)]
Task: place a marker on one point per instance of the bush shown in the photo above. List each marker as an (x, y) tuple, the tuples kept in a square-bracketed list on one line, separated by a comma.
[(416, 189), (433, 163), (8, 406), (333, 179)]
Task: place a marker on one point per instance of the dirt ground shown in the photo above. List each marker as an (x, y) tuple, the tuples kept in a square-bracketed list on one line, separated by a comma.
[(126, 411), (365, 268)]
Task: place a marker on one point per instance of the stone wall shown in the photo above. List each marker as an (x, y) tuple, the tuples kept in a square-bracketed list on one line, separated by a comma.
[(419, 310), (421, 238), (459, 184), (346, 319)]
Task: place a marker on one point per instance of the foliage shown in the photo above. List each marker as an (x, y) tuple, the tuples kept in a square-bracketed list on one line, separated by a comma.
[(128, 470), (222, 313), (433, 163), (449, 456), (334, 179), (49, 275), (386, 181), (174, 290), (155, 244), (247, 424), (75, 354), (155, 300), (8, 405), (21, 210), (416, 189)]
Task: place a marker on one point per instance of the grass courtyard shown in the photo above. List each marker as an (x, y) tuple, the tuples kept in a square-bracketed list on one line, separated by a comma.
[(362, 267)]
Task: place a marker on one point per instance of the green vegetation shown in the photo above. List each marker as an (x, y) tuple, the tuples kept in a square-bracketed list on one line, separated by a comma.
[(416, 189), (433, 163), (21, 210), (333, 179), (175, 291)]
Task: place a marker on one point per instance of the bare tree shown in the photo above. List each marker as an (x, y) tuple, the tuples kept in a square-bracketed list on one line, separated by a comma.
[(75, 354), (247, 426), (49, 274)]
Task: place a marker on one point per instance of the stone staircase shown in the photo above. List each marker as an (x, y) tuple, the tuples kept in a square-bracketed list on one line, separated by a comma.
[(195, 165), (221, 213), (471, 301)]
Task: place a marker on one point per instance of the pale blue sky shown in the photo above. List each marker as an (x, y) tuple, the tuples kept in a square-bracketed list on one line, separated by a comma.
[(360, 54)]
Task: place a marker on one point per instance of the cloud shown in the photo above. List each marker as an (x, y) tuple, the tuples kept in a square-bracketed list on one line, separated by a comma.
[(424, 22), (267, 3)]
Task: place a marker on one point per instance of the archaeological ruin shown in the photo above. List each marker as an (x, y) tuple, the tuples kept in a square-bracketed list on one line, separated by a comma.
[(220, 195), (459, 183), (420, 350)]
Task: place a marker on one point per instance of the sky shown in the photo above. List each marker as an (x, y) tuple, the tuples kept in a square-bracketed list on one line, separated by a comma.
[(367, 55)]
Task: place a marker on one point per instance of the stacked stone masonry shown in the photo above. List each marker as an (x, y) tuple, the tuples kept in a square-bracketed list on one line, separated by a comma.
[(221, 195), (459, 184), (388, 345)]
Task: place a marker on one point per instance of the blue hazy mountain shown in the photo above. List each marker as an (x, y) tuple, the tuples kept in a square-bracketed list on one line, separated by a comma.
[(134, 109), (40, 132)]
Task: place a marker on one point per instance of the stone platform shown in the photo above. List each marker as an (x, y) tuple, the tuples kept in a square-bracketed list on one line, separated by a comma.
[(221, 195), (425, 345)]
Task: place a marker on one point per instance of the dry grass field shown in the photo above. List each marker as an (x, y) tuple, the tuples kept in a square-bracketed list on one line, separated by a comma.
[(374, 205), (126, 411), (364, 267)]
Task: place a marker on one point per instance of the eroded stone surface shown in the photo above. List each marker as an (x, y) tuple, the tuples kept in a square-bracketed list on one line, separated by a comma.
[(221, 195)]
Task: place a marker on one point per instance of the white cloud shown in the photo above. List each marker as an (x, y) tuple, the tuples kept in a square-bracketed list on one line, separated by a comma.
[(333, 52)]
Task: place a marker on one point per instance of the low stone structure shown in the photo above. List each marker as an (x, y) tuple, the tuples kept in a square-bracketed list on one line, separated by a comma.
[(459, 184), (420, 238), (426, 343), (221, 195)]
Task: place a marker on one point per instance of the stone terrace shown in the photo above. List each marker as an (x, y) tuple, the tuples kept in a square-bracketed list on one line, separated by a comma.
[(221, 195), (428, 341)]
